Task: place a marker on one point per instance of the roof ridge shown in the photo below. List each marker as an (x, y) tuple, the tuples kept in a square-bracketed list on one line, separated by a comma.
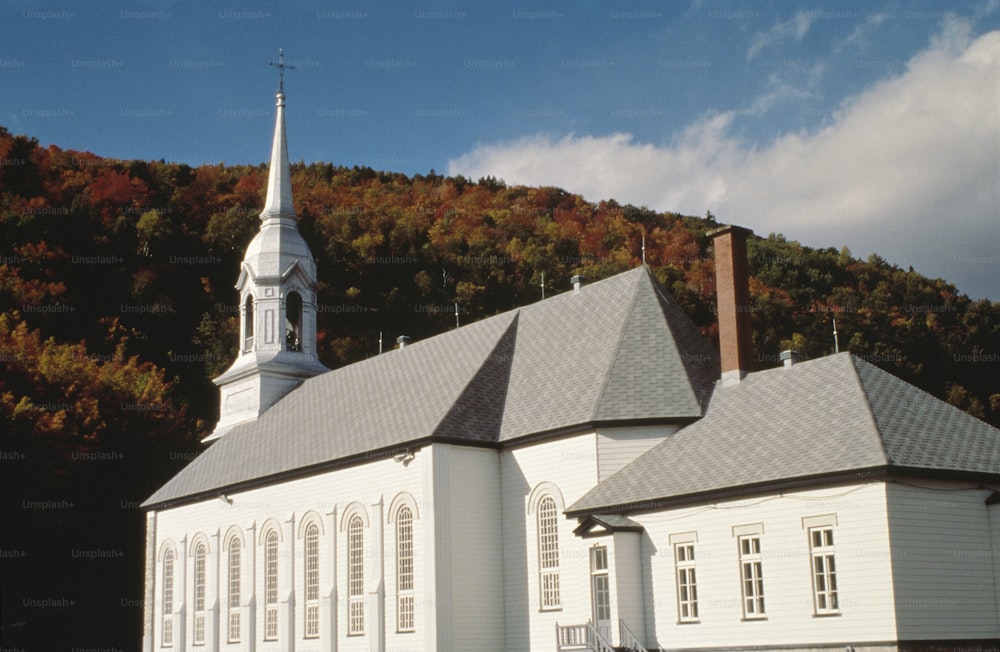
[(609, 368), (859, 384)]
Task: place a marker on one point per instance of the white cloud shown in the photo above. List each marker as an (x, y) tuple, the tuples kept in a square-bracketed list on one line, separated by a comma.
[(907, 169), (795, 27)]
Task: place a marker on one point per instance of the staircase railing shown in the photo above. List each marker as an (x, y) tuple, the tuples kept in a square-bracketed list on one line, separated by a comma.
[(581, 637), (628, 639)]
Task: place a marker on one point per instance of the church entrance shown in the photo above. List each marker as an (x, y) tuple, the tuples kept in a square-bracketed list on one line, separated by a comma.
[(600, 591)]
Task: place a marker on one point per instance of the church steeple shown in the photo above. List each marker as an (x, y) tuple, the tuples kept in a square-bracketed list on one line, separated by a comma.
[(279, 176), (277, 289)]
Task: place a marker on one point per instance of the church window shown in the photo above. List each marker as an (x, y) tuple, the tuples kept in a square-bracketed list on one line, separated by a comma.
[(271, 586), (356, 576), (293, 322), (312, 581), (687, 587), (168, 598), (248, 324), (404, 569), (751, 576), (199, 594), (548, 552), (824, 570), (234, 591)]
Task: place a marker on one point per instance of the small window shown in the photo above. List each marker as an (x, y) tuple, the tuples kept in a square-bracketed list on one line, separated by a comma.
[(548, 552), (248, 324), (355, 576), (293, 322), (199, 594), (824, 571), (168, 598), (751, 577), (271, 586), (687, 586), (312, 581)]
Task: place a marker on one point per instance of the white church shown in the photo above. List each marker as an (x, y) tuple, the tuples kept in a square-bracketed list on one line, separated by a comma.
[(582, 473)]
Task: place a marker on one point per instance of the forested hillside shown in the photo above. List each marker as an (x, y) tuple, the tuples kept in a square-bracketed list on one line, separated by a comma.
[(117, 308)]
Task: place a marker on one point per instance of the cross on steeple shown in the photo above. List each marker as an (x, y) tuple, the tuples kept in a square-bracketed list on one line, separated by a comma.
[(281, 66)]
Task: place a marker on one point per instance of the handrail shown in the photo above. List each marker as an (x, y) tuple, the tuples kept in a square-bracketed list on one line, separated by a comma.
[(628, 639), (581, 637)]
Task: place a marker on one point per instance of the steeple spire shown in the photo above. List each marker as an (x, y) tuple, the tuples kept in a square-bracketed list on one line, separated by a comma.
[(277, 288), (279, 177)]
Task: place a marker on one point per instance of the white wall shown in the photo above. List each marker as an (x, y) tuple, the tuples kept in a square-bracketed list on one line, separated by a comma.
[(616, 447), (370, 488), (943, 560), (864, 574), (471, 526), (569, 465)]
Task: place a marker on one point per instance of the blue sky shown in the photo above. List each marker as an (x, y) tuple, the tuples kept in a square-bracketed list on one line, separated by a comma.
[(874, 125)]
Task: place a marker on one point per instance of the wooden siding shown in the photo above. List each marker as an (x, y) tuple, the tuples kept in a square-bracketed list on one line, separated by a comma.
[(616, 447), (570, 464), (864, 573), (943, 561), (370, 488)]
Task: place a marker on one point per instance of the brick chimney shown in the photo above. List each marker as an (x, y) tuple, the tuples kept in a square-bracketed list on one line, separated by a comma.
[(733, 295)]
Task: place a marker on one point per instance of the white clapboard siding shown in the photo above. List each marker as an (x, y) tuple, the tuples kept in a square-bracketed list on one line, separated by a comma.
[(863, 570), (570, 465), (943, 560), (372, 486), (475, 567), (616, 447)]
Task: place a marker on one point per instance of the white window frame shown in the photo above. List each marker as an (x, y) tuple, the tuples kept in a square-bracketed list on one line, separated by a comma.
[(234, 582), (751, 576), (548, 554), (404, 570), (271, 586), (823, 565), (355, 576), (167, 638), (312, 581), (687, 584), (200, 560)]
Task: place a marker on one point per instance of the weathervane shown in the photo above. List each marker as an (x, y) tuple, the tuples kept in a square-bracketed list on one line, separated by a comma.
[(281, 66)]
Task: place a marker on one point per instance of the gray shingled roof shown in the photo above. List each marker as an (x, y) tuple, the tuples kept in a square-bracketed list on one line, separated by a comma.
[(824, 417), (619, 349)]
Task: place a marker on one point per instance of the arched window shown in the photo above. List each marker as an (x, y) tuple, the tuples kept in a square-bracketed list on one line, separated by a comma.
[(248, 324), (234, 590), (271, 586), (548, 552), (356, 575), (312, 581), (168, 597), (404, 569), (199, 593), (293, 322)]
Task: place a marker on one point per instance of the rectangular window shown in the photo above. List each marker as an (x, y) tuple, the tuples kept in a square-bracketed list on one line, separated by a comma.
[(355, 577), (168, 598), (234, 591), (312, 581), (199, 594), (271, 587), (687, 587), (548, 552), (751, 576), (404, 570), (824, 570)]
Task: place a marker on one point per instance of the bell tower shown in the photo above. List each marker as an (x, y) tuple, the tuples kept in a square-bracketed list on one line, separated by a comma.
[(277, 290)]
